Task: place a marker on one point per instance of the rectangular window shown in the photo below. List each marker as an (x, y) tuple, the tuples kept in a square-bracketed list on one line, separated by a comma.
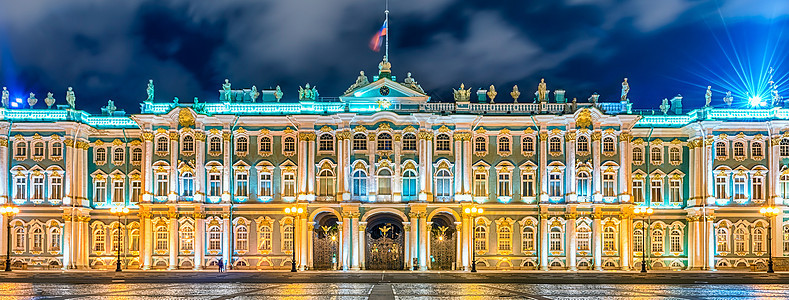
[(656, 191), (608, 185), (117, 192), (739, 188), (162, 185), (187, 185), (638, 241), (56, 188), (675, 191), (555, 242), (214, 185), (528, 185), (289, 185), (638, 191), (38, 188), (675, 243), (555, 185), (242, 185), (528, 240), (136, 190), (161, 239), (480, 185), (100, 192), (583, 240), (720, 187), (504, 185), (265, 185), (757, 192), (287, 239)]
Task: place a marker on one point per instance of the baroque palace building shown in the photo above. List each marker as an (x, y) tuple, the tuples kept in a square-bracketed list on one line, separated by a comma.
[(381, 178)]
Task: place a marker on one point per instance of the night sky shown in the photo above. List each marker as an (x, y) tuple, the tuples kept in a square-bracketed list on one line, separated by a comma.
[(109, 49)]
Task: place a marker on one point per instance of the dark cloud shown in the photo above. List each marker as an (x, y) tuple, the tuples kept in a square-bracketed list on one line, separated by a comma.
[(108, 49)]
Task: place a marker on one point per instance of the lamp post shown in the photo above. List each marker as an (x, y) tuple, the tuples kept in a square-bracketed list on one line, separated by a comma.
[(473, 212), (770, 212), (119, 211), (644, 212), (8, 211), (295, 212)]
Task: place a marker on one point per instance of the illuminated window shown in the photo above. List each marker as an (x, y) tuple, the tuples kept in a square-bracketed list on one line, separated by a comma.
[(242, 238), (443, 185), (609, 239), (784, 147), (480, 184), (480, 238), (527, 239), (528, 182), (287, 238), (722, 237), (265, 185), (187, 238), (675, 241), (134, 240), (657, 241), (118, 156), (555, 239), (504, 185), (674, 156), (37, 239), (99, 238), (384, 182), (385, 141), (289, 184), (505, 238), (162, 237), (759, 236), (638, 240), (675, 191), (359, 184), (214, 239), (264, 238), (638, 191), (609, 182), (19, 239), (214, 185), (740, 240), (137, 155), (325, 183), (757, 188), (55, 236), (242, 184), (583, 238)]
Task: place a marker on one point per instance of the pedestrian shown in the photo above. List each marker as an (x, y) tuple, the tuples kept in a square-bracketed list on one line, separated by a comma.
[(220, 264)]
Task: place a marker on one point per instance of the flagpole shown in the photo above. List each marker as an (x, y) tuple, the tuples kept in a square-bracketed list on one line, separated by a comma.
[(387, 30)]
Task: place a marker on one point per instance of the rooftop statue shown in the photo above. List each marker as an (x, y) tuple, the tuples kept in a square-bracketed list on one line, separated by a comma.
[(515, 93), (49, 100), (198, 107), (254, 93), (593, 98), (463, 94), (278, 93), (110, 107), (360, 82), (542, 91), (411, 83), (708, 97), (150, 90), (226, 90), (32, 100), (728, 99), (625, 90), (307, 93), (665, 106), (175, 100), (492, 93), (5, 97), (70, 98)]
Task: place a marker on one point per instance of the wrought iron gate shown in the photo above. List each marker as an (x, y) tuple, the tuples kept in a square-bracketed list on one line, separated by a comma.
[(386, 251), (442, 250), (324, 248)]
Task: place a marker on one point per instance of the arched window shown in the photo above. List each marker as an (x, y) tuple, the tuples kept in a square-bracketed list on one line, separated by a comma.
[(118, 155), (101, 155), (674, 155), (756, 149), (287, 238), (739, 149), (442, 142), (214, 239), (759, 236), (584, 181), (384, 182), (505, 238), (21, 149), (161, 238), (265, 144), (289, 145), (409, 184), (528, 144), (137, 155), (162, 145), (188, 144), (385, 141), (134, 240), (608, 145), (55, 236), (675, 241), (37, 239), (57, 150), (527, 239), (117, 243), (359, 142), (638, 240), (720, 149), (480, 238), (504, 144), (656, 155), (325, 183), (609, 239), (326, 142), (443, 185), (187, 238), (638, 155), (480, 144), (19, 239), (359, 184), (722, 237), (38, 149), (99, 238), (657, 241), (242, 238), (582, 144), (740, 240), (409, 142), (264, 238), (242, 144), (784, 147), (583, 238), (555, 144), (215, 144), (555, 239)]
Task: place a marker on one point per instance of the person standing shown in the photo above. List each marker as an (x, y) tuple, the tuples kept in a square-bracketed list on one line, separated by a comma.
[(221, 265)]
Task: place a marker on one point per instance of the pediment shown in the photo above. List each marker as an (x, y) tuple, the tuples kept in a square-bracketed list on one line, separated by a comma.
[(376, 90)]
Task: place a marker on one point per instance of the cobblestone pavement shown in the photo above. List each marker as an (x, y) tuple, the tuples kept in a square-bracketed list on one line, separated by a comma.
[(386, 285)]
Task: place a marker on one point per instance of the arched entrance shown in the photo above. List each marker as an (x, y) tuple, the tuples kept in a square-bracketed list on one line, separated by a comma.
[(325, 242), (443, 243), (385, 243)]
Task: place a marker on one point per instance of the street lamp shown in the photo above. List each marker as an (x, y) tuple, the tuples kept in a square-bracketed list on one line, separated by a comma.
[(8, 211), (644, 212), (295, 212), (473, 212), (119, 211), (770, 212)]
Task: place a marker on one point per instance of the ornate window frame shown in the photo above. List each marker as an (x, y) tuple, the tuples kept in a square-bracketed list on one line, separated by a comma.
[(759, 228), (556, 223), (326, 137), (583, 228), (640, 177), (98, 237), (660, 227), (100, 177), (289, 134), (265, 168), (113, 152), (584, 169), (608, 138), (442, 166), (212, 223), (529, 168), (136, 147), (613, 224), (481, 235), (186, 236), (359, 142), (100, 153), (212, 140), (241, 242), (283, 226), (265, 140), (162, 138), (756, 143), (504, 235), (20, 147), (241, 142), (504, 168), (265, 238), (582, 143), (555, 172), (54, 232), (657, 158), (759, 172), (241, 168), (37, 178), (288, 168), (721, 147), (481, 168), (161, 168), (528, 223), (673, 177), (187, 133), (555, 143), (38, 148), (480, 135), (674, 227), (55, 172), (448, 136), (529, 142), (326, 171), (504, 143), (610, 169)]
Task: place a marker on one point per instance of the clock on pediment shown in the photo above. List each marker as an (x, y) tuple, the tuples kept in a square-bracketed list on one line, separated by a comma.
[(384, 90)]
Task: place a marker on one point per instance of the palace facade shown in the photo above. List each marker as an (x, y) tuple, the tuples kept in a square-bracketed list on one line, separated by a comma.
[(381, 177)]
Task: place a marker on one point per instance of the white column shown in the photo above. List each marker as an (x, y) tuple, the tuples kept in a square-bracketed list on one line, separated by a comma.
[(570, 195), (710, 193), (173, 241), (4, 172), (303, 244), (625, 251), (458, 166), (710, 247), (361, 243), (397, 182), (414, 238), (467, 172), (200, 167), (698, 241), (429, 171), (174, 150), (226, 229), (624, 164), (347, 168), (148, 167), (311, 168), (407, 230), (198, 245), (459, 245), (777, 234), (346, 241), (422, 242), (310, 245), (302, 167), (68, 243), (227, 164), (429, 237), (692, 242), (597, 196), (342, 173), (544, 175), (571, 243), (544, 242), (355, 242), (597, 243), (465, 233), (147, 240)]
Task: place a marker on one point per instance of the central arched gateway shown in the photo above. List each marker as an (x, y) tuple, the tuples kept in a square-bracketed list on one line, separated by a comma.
[(385, 249), (325, 242)]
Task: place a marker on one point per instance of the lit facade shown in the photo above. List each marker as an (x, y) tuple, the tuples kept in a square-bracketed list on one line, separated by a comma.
[(383, 176)]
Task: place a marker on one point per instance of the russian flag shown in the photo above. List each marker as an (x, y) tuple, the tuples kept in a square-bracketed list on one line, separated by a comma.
[(377, 40)]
